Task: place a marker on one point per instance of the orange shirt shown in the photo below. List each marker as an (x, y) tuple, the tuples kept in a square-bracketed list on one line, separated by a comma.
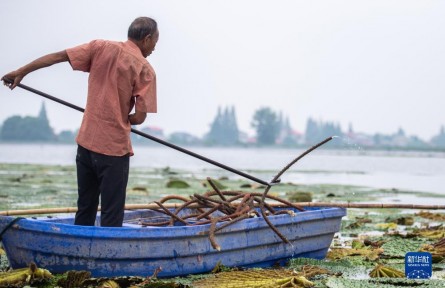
[(120, 77)]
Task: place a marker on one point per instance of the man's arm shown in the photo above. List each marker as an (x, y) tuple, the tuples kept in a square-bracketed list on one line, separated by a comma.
[(39, 63)]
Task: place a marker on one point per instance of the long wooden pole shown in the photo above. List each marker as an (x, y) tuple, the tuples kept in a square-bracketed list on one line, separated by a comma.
[(176, 205), (148, 136)]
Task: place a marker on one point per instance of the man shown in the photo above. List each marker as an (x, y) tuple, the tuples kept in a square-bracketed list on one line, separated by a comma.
[(120, 79)]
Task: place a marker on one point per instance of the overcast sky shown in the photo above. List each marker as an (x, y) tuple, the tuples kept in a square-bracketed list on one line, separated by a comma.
[(378, 65)]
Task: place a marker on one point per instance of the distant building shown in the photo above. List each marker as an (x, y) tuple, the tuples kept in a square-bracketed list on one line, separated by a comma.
[(184, 138), (150, 130)]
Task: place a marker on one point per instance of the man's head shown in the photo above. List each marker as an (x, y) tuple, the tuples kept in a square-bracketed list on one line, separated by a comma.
[(143, 31)]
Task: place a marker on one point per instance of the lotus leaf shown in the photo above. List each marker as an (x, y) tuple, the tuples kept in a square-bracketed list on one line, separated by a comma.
[(432, 233), (74, 279), (440, 243), (108, 284), (367, 253), (397, 248), (299, 196), (217, 183), (357, 244), (406, 221), (381, 271), (258, 278), (177, 183), (438, 253), (386, 226), (359, 223), (334, 282), (432, 216), (378, 243), (21, 277)]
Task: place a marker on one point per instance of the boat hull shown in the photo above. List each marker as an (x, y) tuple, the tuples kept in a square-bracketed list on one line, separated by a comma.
[(57, 245)]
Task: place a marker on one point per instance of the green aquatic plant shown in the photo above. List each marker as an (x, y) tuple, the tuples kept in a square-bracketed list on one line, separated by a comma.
[(255, 278), (437, 250), (433, 233), (398, 247), (367, 253), (4, 263), (344, 267), (217, 184), (335, 282), (359, 223), (381, 270), (299, 196), (23, 276), (386, 226), (72, 279), (177, 184), (439, 217)]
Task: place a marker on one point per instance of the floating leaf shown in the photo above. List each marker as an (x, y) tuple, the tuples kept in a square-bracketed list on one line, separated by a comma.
[(299, 196), (432, 216), (74, 279), (357, 244), (407, 221), (359, 223), (21, 277), (437, 253), (177, 183), (334, 282), (340, 253), (386, 226), (309, 271), (397, 248), (218, 184), (257, 278), (374, 244), (432, 233), (252, 186), (440, 244), (108, 284), (384, 271)]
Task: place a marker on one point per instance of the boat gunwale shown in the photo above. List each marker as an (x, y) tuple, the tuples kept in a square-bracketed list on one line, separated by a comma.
[(49, 227)]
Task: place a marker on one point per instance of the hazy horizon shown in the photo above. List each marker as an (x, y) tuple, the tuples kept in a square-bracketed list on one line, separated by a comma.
[(139, 127), (378, 65)]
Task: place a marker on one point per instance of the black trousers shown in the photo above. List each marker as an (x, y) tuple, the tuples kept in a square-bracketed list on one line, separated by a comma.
[(104, 176)]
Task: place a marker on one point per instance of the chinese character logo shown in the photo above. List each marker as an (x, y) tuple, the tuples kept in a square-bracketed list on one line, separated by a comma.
[(418, 265)]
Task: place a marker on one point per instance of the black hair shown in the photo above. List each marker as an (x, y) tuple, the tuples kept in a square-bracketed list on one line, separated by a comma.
[(141, 27)]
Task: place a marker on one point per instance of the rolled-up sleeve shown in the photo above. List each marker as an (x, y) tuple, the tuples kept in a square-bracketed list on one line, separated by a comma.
[(80, 56), (145, 91)]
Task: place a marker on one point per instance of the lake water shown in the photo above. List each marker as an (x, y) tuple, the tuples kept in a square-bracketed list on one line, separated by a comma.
[(416, 171)]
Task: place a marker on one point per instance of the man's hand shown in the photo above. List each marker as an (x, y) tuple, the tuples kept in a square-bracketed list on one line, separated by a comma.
[(137, 118), (14, 76)]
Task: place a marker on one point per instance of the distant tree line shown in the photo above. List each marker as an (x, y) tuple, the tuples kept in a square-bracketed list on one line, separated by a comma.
[(318, 131), (32, 129), (224, 128), (17, 128), (271, 129), (439, 140)]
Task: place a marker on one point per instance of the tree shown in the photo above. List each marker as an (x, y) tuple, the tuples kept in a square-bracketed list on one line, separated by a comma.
[(317, 131), (267, 126), (28, 128), (439, 140), (66, 136), (224, 128)]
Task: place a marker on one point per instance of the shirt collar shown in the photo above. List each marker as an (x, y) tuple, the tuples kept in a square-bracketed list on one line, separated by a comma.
[(133, 46)]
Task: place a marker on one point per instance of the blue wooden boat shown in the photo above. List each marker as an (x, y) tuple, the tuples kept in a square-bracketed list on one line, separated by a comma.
[(133, 250)]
